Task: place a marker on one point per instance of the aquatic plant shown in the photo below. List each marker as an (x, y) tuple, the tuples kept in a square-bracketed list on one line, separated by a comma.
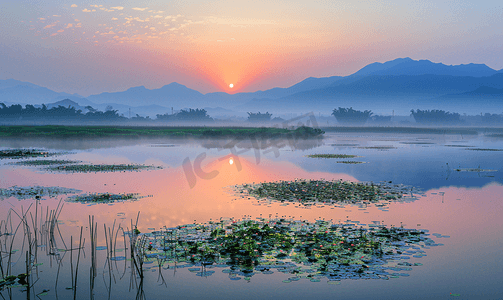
[(310, 250), (105, 198), (25, 153), (46, 162), (331, 156), (86, 168), (35, 192), (325, 191)]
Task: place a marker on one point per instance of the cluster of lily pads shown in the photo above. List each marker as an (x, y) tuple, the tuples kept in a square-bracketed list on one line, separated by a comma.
[(87, 168), (45, 162), (25, 153), (104, 198), (332, 156), (13, 281), (322, 191), (305, 250), (36, 192)]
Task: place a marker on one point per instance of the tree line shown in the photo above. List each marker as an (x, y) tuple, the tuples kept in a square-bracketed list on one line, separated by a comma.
[(341, 114)]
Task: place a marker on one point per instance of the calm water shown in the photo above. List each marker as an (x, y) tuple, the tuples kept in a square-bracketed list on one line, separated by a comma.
[(465, 205)]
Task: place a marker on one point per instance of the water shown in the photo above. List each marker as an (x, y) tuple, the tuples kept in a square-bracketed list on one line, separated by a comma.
[(465, 205)]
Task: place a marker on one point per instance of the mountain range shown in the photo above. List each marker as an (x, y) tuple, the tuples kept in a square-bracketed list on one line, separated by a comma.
[(398, 85)]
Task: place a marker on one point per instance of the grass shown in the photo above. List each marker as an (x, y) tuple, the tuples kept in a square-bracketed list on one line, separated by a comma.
[(409, 130), (136, 131)]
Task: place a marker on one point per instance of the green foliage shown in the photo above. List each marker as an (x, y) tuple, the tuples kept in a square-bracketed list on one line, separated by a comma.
[(351, 116), (435, 117), (259, 117)]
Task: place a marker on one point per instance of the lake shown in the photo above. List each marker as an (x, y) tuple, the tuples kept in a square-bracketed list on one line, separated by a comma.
[(454, 193)]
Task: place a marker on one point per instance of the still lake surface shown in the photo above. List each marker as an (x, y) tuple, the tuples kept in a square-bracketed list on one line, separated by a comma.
[(458, 194)]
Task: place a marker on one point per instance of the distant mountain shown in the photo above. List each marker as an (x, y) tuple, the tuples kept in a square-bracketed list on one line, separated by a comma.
[(168, 95), (66, 103), (408, 66), (399, 83), (15, 91)]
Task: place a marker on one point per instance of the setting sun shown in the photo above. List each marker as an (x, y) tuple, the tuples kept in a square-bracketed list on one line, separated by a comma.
[(231, 85)]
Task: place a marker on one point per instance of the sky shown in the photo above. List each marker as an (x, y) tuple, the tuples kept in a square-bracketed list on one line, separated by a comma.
[(111, 45)]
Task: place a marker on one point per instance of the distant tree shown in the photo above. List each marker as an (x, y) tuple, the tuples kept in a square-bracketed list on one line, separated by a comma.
[(193, 115), (90, 108), (351, 116), (435, 116), (491, 118), (259, 117)]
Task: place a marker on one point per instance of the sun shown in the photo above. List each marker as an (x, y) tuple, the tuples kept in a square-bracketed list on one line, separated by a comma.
[(231, 85)]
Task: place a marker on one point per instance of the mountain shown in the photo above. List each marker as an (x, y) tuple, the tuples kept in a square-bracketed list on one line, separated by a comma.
[(376, 92), (167, 95), (408, 66), (402, 83), (19, 92)]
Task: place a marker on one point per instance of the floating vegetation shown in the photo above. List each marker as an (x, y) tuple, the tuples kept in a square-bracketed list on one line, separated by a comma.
[(306, 250), (36, 192), (105, 198), (343, 145), (325, 191), (332, 156), (459, 146), (350, 162), (13, 281), (484, 149), (101, 168), (477, 170), (46, 162), (25, 153), (378, 147)]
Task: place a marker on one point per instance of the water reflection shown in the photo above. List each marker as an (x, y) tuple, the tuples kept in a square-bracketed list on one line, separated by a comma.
[(466, 220)]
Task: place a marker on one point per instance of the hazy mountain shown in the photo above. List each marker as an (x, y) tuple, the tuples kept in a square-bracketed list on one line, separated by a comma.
[(408, 66), (375, 92), (168, 96), (15, 91), (402, 82)]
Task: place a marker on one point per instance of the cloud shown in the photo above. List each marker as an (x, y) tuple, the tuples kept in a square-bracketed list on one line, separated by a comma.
[(86, 10), (41, 19), (74, 5), (61, 30), (69, 25), (117, 7), (57, 16), (50, 26), (54, 34), (157, 17), (140, 9), (152, 28), (76, 20), (114, 19)]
